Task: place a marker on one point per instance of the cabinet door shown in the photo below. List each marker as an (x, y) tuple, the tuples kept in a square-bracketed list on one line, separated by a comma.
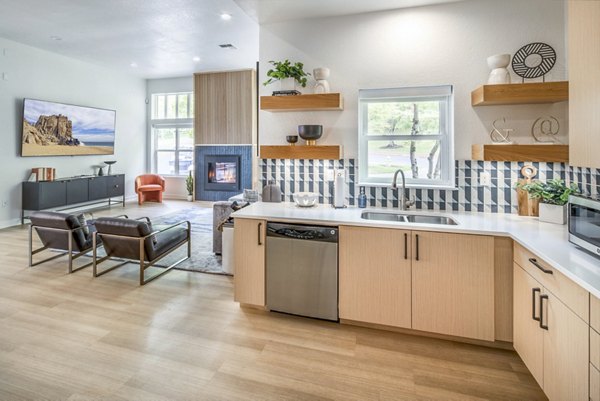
[(584, 82), (116, 185), (453, 284), (249, 242), (528, 337), (98, 188), (375, 276), (566, 352), (52, 194), (77, 191)]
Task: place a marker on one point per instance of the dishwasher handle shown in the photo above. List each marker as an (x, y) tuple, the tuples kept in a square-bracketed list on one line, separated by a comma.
[(303, 233)]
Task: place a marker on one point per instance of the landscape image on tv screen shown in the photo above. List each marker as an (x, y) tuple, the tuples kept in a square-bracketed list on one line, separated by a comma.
[(56, 129)]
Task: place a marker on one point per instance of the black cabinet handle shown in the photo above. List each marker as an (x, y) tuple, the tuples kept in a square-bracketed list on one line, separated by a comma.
[(417, 246), (259, 234), (533, 292), (405, 246), (534, 262), (542, 325)]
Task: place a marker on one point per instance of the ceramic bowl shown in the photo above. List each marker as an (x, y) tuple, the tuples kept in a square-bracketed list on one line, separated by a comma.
[(310, 132), (498, 61), (291, 139), (306, 199)]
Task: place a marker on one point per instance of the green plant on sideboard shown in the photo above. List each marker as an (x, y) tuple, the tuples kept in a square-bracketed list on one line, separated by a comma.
[(285, 69), (552, 192)]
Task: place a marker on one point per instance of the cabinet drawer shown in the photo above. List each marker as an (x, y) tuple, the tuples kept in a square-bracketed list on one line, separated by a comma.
[(594, 384), (594, 348), (575, 297)]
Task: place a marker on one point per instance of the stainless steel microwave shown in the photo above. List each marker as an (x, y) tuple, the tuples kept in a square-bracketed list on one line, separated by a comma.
[(584, 223)]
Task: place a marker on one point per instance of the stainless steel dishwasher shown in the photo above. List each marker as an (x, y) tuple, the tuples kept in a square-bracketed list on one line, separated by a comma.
[(302, 270)]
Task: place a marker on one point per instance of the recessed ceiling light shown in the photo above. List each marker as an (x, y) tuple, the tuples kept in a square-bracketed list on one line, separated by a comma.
[(133, 65), (57, 38), (225, 16), (196, 59)]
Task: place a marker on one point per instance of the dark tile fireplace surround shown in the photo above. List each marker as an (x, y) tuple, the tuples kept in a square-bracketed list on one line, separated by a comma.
[(222, 171)]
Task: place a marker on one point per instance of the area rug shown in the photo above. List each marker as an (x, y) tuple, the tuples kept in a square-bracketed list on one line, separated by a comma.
[(203, 259)]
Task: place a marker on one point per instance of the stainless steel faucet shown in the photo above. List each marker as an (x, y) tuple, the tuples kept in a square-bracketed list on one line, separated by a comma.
[(404, 204)]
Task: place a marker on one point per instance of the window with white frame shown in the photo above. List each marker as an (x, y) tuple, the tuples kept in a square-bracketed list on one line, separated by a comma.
[(409, 129), (172, 125)]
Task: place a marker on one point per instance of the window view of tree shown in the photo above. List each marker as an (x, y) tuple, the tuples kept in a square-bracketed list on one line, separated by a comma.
[(409, 134)]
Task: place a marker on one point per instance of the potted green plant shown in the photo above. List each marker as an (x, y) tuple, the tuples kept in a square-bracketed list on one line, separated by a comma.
[(553, 196), (287, 74), (189, 185)]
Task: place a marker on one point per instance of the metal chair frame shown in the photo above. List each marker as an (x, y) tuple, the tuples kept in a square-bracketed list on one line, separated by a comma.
[(142, 262), (69, 251)]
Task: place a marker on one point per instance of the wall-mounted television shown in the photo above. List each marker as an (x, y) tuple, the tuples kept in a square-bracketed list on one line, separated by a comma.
[(57, 129)]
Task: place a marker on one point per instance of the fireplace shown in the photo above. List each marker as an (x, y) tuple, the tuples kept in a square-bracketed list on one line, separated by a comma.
[(222, 173)]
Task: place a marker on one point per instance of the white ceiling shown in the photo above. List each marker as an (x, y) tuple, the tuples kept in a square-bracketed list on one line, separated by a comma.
[(160, 36), (268, 11)]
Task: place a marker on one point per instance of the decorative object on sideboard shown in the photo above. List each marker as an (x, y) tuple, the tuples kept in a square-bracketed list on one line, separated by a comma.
[(321, 75), (545, 129), (498, 64), (310, 133), (553, 196), (498, 137), (527, 206), (44, 173), (271, 192), (109, 163), (306, 199), (292, 139), (288, 75), (534, 60), (189, 186), (101, 169)]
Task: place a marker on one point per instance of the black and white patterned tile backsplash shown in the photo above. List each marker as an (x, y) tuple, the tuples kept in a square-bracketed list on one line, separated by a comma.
[(501, 197)]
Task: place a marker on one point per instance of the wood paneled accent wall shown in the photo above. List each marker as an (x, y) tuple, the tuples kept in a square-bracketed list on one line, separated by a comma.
[(584, 83), (225, 107)]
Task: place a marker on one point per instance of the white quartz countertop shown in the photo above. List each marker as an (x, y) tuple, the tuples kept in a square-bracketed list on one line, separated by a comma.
[(548, 241)]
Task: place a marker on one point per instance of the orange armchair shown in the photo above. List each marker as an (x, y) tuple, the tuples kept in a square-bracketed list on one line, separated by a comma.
[(149, 187)]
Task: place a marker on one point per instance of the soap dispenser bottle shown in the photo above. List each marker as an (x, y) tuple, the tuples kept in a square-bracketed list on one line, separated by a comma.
[(362, 198)]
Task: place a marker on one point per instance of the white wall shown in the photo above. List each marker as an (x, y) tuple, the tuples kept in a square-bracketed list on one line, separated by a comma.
[(38, 74), (443, 44), (174, 186)]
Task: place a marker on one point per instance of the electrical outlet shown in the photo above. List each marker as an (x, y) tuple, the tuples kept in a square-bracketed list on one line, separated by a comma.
[(485, 179), (4, 203), (329, 175), (5, 76)]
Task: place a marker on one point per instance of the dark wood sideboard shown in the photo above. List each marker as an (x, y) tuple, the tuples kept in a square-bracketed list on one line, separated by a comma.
[(64, 193)]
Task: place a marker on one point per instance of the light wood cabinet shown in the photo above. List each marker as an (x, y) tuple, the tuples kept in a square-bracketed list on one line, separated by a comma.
[(566, 352), (249, 243), (528, 339), (225, 107), (584, 82), (594, 383), (375, 276), (550, 337), (453, 284)]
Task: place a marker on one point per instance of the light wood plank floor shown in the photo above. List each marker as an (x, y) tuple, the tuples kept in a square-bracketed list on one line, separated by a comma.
[(181, 337)]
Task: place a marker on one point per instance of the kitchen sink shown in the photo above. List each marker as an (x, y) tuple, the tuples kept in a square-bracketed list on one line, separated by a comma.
[(410, 218)]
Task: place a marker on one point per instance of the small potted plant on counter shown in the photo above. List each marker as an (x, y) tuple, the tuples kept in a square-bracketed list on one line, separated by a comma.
[(189, 185), (553, 196), (288, 75)]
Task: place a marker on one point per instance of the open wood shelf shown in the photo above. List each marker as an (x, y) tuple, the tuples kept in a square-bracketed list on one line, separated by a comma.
[(326, 152), (317, 102), (530, 153), (527, 93)]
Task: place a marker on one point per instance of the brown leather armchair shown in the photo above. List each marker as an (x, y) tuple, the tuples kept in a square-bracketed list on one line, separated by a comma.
[(149, 187)]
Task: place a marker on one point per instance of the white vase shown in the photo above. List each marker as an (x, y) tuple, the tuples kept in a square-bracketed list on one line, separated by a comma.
[(321, 75), (553, 213), (498, 63), (190, 198), (287, 84)]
